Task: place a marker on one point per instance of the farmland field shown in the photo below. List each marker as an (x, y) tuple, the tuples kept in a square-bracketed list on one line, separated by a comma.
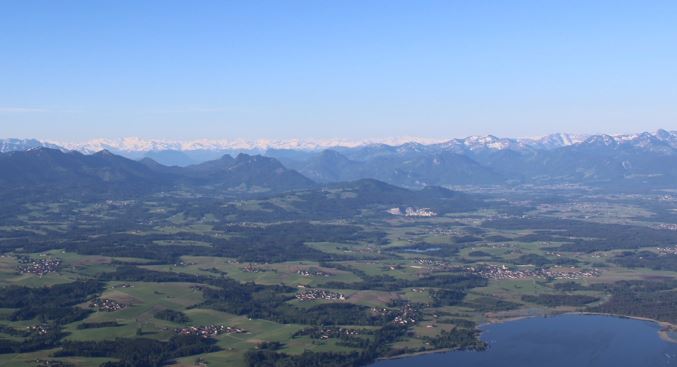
[(236, 285)]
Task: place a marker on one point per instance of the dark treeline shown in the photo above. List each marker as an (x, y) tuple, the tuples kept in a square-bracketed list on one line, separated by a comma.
[(569, 286), (651, 299), (132, 273), (453, 281), (457, 338), (428, 249), (138, 352), (270, 303), (479, 253), (345, 337), (555, 300), (646, 259), (98, 325), (52, 307), (587, 236), (379, 346), (491, 304), (350, 199), (538, 260), (345, 200), (55, 303), (267, 358), (446, 297), (273, 243), (14, 332), (254, 300), (282, 242), (32, 342), (172, 315)]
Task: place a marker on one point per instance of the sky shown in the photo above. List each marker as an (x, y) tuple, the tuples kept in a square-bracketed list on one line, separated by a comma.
[(75, 70)]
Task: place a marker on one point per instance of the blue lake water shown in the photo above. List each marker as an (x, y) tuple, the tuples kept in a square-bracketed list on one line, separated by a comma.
[(560, 341)]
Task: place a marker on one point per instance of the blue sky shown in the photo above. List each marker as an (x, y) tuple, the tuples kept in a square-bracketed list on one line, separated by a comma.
[(73, 70)]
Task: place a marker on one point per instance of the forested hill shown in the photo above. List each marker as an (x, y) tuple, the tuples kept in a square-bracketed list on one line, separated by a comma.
[(68, 173)]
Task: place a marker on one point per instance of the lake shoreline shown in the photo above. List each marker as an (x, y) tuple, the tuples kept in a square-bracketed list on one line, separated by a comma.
[(663, 332)]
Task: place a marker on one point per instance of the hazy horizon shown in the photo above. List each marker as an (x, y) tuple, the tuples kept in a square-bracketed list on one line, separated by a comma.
[(134, 145), (357, 140)]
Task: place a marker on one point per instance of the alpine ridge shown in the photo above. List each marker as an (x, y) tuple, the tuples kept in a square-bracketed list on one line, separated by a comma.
[(645, 160)]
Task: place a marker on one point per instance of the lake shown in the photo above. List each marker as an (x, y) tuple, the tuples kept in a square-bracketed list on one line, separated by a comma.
[(566, 341)]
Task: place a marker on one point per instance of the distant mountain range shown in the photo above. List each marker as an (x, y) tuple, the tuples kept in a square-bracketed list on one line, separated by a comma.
[(47, 170), (14, 145), (136, 147), (648, 159), (637, 160)]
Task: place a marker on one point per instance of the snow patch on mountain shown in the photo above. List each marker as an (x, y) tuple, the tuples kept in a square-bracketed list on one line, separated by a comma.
[(13, 145), (135, 144), (660, 139)]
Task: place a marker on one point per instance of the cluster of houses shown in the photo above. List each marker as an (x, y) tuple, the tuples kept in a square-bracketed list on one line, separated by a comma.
[(668, 226), (324, 333), (420, 212), (503, 272), (312, 294), (667, 250), (120, 203), (412, 212), (208, 331), (447, 231), (251, 268), (311, 273), (571, 274), (123, 285), (666, 198), (51, 363), (406, 315), (40, 267), (430, 262), (381, 311), (106, 305), (38, 329)]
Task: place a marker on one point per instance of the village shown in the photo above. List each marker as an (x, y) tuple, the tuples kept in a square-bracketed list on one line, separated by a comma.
[(667, 250), (251, 268), (51, 363), (406, 315), (501, 272), (106, 305), (324, 333), (39, 267), (208, 331), (668, 226), (311, 273), (312, 294), (39, 329), (430, 262), (412, 212)]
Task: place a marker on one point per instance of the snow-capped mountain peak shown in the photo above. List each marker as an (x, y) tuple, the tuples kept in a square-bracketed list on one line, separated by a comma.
[(662, 140), (11, 145)]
